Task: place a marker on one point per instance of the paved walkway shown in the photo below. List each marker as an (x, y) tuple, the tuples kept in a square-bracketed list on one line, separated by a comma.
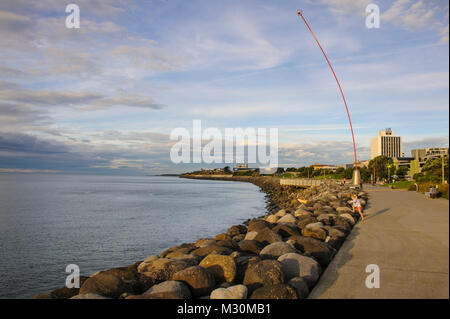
[(406, 235)]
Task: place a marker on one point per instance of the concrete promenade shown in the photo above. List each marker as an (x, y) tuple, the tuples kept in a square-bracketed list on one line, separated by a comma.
[(407, 236)]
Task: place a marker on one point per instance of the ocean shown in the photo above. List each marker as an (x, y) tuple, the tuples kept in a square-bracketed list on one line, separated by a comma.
[(48, 221)]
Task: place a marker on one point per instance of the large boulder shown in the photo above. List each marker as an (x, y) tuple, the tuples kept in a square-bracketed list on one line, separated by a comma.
[(190, 260), (272, 219), (162, 269), (296, 265), (279, 291), (281, 213), (263, 273), (222, 236), (286, 230), (113, 282), (267, 236), (348, 217), (322, 252), (222, 267), (233, 292), (326, 219), (166, 290), (202, 242), (343, 209), (251, 235), (63, 292), (257, 224), (306, 221), (236, 230), (242, 264), (200, 280), (335, 237), (251, 246), (180, 250), (275, 250), (300, 286), (288, 218), (315, 230), (212, 248), (301, 213)]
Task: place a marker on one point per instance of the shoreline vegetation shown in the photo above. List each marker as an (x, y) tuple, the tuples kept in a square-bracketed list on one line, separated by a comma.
[(279, 255)]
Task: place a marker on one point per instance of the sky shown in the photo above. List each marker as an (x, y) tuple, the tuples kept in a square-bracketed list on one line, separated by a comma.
[(105, 97)]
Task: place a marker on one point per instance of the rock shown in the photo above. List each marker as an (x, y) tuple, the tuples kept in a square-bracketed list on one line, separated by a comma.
[(212, 249), (279, 291), (168, 290), (222, 267), (242, 264), (263, 273), (281, 213), (162, 269), (257, 224), (203, 242), (89, 296), (113, 282), (305, 221), (275, 250), (286, 230), (300, 286), (252, 246), (227, 243), (267, 236), (190, 260), (343, 209), (288, 218), (150, 258), (200, 280), (63, 292), (342, 224), (296, 265), (335, 237), (272, 219), (302, 213), (314, 232), (348, 217), (321, 251), (233, 292), (238, 238), (181, 249), (222, 237), (326, 219), (236, 230), (251, 235)]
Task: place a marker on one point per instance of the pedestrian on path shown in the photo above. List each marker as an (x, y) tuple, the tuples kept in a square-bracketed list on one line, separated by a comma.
[(356, 203)]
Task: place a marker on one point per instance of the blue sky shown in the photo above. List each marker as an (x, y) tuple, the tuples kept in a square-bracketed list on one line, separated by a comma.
[(105, 97)]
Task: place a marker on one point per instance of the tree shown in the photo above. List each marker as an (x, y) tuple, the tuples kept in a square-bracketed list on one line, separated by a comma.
[(380, 163), (402, 171), (280, 170), (227, 169)]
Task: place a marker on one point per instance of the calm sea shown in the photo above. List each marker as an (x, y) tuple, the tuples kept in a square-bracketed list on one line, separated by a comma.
[(48, 221)]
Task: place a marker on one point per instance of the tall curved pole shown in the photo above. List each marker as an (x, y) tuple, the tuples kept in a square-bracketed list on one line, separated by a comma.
[(340, 89)]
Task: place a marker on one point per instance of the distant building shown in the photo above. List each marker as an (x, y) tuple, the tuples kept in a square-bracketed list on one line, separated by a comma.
[(386, 143), (422, 155), (324, 166)]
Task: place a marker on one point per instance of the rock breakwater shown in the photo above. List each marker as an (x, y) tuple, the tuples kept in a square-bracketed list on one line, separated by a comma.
[(279, 255)]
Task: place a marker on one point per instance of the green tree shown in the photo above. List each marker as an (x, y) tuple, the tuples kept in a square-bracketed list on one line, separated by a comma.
[(380, 163), (227, 169)]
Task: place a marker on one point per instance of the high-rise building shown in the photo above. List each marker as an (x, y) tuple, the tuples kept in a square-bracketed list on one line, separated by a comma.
[(431, 152), (386, 144)]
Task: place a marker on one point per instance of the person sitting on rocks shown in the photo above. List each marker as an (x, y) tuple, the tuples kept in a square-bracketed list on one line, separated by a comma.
[(357, 204)]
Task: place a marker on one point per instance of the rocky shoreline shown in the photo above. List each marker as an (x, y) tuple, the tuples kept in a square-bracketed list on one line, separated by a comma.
[(279, 255)]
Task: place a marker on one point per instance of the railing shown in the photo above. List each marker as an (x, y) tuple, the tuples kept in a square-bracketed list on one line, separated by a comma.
[(300, 182)]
